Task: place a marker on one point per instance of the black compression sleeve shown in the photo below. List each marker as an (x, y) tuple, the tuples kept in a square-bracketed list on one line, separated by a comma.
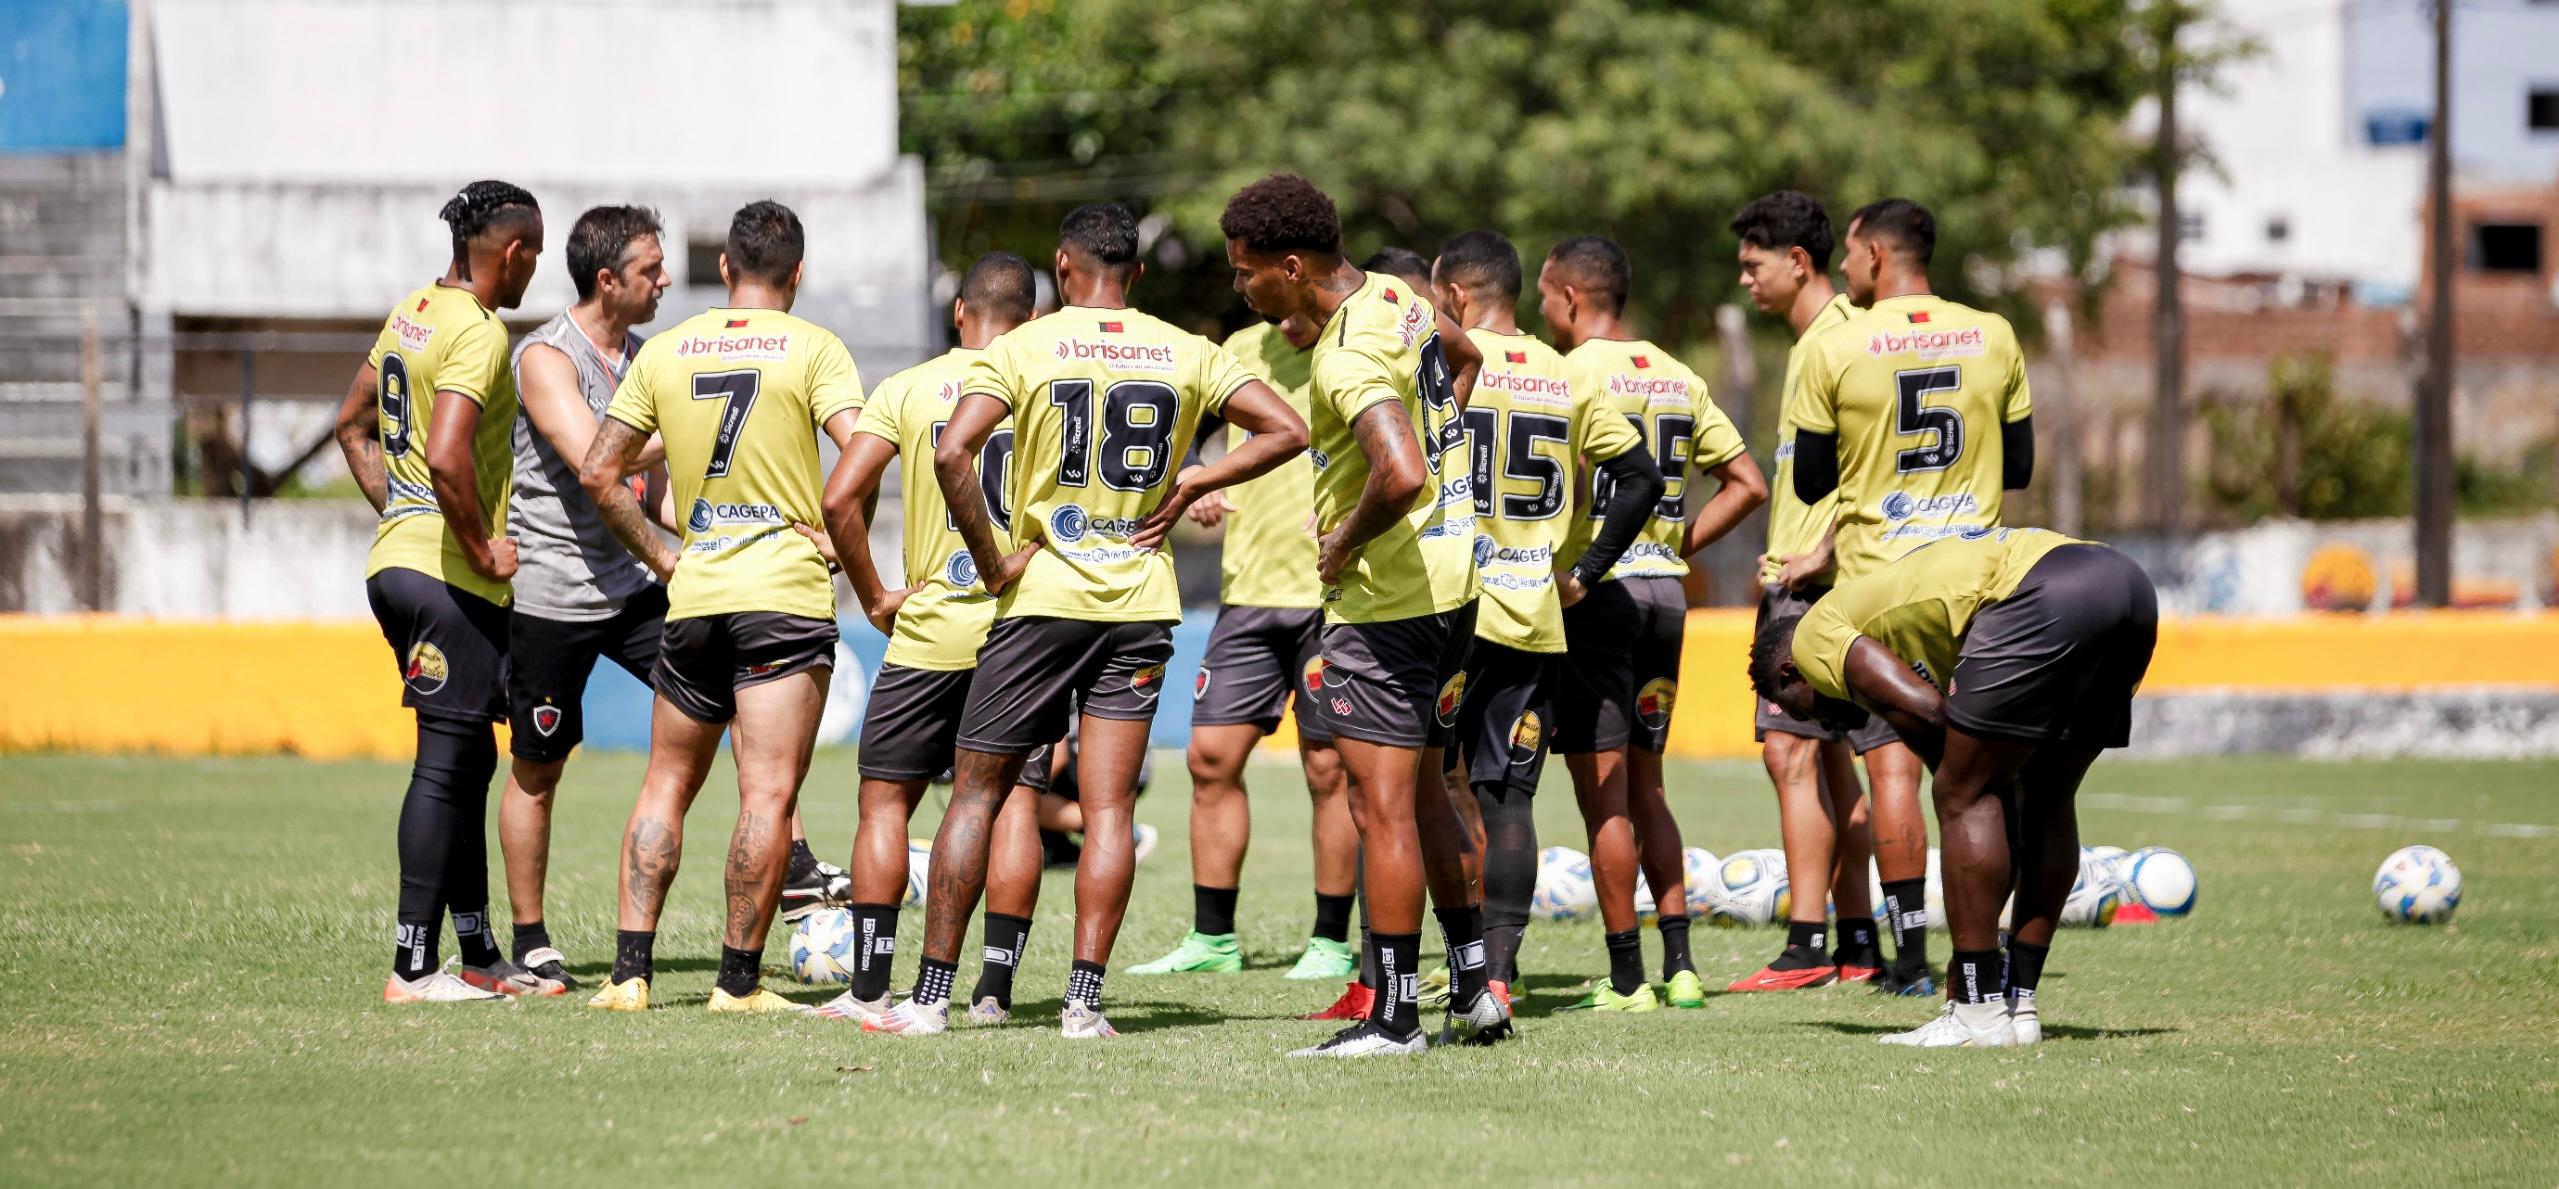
[(1816, 465), (1637, 486), (2017, 453)]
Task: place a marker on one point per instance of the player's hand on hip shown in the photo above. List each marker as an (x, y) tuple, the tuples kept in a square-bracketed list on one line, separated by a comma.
[(825, 544), (883, 614), (501, 564), (1332, 556), (1569, 589), (1008, 569), (1159, 523)]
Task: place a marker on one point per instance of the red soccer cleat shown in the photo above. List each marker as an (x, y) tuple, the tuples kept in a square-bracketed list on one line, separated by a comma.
[(1770, 978), (1858, 974), (1353, 1005), (2135, 914)]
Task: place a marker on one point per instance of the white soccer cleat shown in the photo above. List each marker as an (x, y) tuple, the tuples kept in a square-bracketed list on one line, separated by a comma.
[(846, 1007), (2022, 1020), (988, 1012), (1961, 1026), (912, 1019), (438, 987), (1081, 1021), (1487, 1022), (1365, 1039)]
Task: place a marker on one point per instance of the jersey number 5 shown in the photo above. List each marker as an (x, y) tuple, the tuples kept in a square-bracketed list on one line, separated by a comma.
[(1913, 416), (736, 391)]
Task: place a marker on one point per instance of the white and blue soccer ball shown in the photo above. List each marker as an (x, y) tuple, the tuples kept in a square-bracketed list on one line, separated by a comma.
[(822, 947), (1696, 865), (1565, 891), (2113, 857), (1749, 889), (919, 869), (2161, 879), (2095, 894), (2417, 885)]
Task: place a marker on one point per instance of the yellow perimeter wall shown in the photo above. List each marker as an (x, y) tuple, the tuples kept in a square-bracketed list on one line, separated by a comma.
[(106, 684)]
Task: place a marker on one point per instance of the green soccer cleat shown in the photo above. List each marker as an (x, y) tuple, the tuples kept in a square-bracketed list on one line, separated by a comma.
[(1604, 997), (1685, 989), (1324, 959), (1199, 953), (1433, 992)]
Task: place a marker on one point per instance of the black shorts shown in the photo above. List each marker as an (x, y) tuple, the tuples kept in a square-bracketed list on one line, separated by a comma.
[(708, 658), (449, 644), (1621, 677), (1256, 656), (549, 660), (1768, 719), (1036, 671), (912, 722), (1399, 683), (1502, 727), (2059, 659)]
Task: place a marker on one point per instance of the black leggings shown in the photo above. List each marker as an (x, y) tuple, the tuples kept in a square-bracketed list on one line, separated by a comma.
[(444, 847), (1510, 875)]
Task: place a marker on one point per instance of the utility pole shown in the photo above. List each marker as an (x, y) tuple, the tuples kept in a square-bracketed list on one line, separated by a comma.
[(2167, 437), (2434, 393)]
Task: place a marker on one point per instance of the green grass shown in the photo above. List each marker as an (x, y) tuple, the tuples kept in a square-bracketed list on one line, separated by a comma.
[(191, 955)]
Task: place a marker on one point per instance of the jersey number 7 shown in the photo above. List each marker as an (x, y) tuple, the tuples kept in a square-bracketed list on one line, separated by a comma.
[(737, 390)]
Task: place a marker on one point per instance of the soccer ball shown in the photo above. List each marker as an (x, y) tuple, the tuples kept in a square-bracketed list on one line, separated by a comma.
[(2094, 894), (1749, 888), (822, 947), (2417, 885), (2113, 857), (1564, 888), (2162, 879), (919, 868)]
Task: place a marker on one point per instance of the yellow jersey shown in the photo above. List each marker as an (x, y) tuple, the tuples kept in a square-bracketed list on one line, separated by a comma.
[(1795, 527), (1916, 390), (947, 611), (1919, 606), (740, 397), (1269, 557), (440, 339), (1526, 436), (1105, 402), (1383, 345), (1668, 406)]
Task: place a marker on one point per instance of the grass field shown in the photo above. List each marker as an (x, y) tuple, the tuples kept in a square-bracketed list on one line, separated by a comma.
[(191, 955)]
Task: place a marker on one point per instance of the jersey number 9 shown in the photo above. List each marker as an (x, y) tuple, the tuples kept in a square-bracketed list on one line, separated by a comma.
[(391, 391)]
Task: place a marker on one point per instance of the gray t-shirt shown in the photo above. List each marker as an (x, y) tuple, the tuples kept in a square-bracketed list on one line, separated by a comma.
[(568, 564)]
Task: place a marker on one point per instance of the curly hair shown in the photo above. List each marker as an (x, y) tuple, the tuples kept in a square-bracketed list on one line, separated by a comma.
[(1283, 213), (1773, 645), (1104, 231), (1785, 219), (485, 204)]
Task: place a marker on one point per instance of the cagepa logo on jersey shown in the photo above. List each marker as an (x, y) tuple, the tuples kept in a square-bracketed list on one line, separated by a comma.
[(700, 518), (1068, 522), (1483, 551), (1902, 505), (961, 569)]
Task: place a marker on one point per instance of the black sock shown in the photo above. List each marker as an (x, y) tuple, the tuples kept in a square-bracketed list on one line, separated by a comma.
[(1213, 910), (2025, 968), (1397, 1008), (1906, 904), (1808, 935), (803, 861), (1978, 976), (875, 949), (1803, 947), (479, 944), (933, 982), (1333, 917), (413, 952), (740, 970), (1626, 961), (1084, 984), (1462, 929), (1367, 958), (529, 938), (635, 954), (1006, 934), (1857, 938), (1675, 957)]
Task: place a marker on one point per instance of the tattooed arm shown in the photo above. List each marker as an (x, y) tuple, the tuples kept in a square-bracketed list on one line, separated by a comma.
[(955, 467), (1395, 480), (359, 438), (615, 454)]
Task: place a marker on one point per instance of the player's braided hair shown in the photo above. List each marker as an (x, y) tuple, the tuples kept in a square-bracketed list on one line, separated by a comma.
[(1283, 213), (482, 205), (1774, 644)]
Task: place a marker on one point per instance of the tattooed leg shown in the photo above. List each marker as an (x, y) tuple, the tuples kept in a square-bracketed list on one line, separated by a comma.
[(775, 728), (680, 752), (979, 783)]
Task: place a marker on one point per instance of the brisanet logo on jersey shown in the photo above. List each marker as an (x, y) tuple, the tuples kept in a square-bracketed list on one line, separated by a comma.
[(1154, 358), (735, 346), (1929, 344)]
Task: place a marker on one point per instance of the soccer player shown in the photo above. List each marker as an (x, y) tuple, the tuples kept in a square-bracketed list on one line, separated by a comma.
[(739, 394), (935, 624), (1622, 676), (1785, 266), (1397, 561), (2007, 659), (1104, 401), (1916, 414), (1269, 628), (424, 429), (1527, 439)]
